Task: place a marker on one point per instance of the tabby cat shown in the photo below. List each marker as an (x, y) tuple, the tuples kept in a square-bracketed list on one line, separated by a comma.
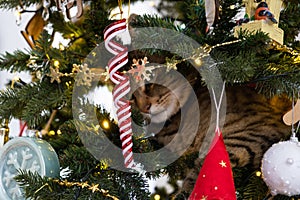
[(251, 125)]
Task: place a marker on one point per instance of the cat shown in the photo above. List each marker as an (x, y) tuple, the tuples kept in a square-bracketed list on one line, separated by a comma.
[(252, 122)]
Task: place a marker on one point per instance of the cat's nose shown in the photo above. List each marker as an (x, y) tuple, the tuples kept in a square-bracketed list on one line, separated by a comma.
[(146, 108)]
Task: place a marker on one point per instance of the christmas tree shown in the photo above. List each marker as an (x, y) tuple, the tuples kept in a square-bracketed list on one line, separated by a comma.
[(85, 136)]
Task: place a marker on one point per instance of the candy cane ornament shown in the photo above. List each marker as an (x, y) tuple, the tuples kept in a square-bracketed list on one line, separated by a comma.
[(122, 87)]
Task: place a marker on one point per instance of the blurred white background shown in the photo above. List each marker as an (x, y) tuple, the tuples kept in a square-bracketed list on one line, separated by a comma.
[(11, 40)]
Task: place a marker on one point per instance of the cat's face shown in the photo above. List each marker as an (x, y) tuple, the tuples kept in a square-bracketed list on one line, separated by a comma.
[(163, 96)]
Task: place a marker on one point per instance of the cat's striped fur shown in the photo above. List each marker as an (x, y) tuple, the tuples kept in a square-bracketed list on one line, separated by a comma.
[(252, 124)]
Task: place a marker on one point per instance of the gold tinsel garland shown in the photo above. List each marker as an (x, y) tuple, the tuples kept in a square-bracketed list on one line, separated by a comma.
[(93, 187)]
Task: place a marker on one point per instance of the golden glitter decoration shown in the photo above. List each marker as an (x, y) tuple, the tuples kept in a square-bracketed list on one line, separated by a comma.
[(55, 74), (93, 187), (84, 74), (106, 74)]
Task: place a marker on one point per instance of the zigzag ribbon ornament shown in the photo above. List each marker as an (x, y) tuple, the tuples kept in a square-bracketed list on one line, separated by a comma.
[(122, 87)]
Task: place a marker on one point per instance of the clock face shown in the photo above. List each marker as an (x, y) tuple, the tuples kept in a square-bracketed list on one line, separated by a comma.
[(25, 153)]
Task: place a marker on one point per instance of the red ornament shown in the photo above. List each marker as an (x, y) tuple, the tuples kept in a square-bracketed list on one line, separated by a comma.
[(215, 180)]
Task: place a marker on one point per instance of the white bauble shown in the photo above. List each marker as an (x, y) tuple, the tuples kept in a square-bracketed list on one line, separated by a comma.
[(281, 168)]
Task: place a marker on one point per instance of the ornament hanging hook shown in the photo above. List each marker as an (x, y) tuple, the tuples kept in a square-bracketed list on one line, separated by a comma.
[(298, 126), (120, 7), (293, 137), (293, 110), (218, 104), (128, 14)]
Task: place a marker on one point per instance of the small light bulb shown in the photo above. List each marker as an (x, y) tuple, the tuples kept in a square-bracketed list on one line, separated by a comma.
[(56, 63), (61, 47), (105, 124), (198, 62), (258, 173), (51, 132), (156, 197)]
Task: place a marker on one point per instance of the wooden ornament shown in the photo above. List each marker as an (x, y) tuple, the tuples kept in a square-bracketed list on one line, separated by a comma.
[(288, 118), (273, 5), (272, 29), (46, 128), (34, 28)]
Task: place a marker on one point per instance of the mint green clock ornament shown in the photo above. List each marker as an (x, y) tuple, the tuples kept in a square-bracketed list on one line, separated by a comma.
[(25, 153)]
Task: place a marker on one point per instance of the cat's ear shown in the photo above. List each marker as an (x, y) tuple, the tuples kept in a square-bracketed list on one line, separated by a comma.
[(137, 91), (131, 21), (141, 88)]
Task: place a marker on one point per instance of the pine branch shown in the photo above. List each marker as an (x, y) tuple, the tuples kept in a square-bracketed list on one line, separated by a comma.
[(131, 185), (47, 97), (238, 69), (67, 28), (256, 189), (12, 4), (289, 21), (69, 137), (18, 61), (160, 37), (37, 187), (31, 102), (10, 104), (14, 62), (278, 84), (38, 59), (154, 21)]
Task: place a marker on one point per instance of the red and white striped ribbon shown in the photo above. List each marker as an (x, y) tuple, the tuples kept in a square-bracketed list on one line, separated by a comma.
[(122, 87)]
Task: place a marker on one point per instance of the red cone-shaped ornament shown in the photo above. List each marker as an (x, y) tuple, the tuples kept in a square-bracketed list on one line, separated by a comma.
[(215, 180)]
